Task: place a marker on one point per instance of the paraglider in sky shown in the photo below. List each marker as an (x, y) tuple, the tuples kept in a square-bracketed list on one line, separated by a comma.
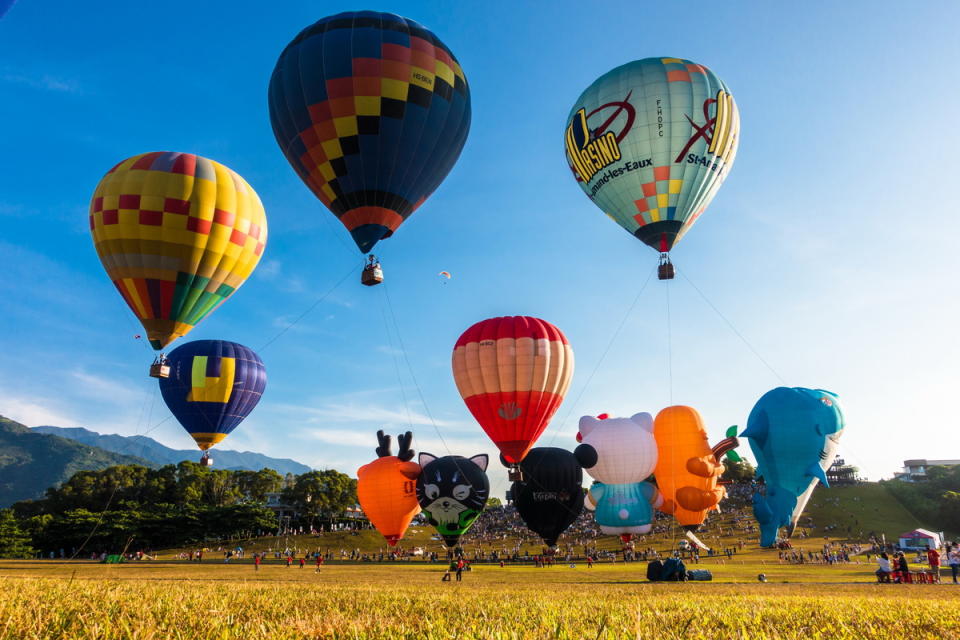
[(386, 488), (213, 385), (620, 454), (513, 373), (794, 434), (444, 276), (452, 492), (688, 469), (177, 234), (550, 496), (650, 143), (371, 110)]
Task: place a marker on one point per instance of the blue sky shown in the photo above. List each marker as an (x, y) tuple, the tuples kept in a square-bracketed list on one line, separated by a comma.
[(830, 248)]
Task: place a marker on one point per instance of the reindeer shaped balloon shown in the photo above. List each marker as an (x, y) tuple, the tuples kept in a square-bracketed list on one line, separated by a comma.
[(386, 488)]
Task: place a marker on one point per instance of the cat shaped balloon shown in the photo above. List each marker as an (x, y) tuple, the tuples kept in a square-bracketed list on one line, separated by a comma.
[(452, 492)]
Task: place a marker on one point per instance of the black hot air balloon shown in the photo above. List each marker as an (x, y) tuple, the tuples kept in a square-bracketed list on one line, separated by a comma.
[(550, 496)]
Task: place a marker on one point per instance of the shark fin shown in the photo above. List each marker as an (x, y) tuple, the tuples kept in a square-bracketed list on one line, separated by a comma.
[(816, 471)]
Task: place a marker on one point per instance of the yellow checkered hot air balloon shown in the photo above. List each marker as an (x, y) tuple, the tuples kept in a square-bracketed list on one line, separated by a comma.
[(177, 234)]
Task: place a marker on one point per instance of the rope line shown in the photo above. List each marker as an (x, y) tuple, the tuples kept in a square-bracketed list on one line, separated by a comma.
[(732, 327)]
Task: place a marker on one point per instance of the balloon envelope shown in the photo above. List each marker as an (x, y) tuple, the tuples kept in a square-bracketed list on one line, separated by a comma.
[(687, 471), (452, 491), (213, 386), (177, 234), (372, 111), (794, 434), (513, 372), (550, 497), (386, 489), (650, 142)]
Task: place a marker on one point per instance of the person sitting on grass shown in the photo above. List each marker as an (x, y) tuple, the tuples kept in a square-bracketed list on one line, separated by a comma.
[(883, 573)]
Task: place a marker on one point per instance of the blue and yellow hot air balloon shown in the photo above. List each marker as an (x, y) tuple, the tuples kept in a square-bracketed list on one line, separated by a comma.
[(372, 111), (650, 142), (213, 385)]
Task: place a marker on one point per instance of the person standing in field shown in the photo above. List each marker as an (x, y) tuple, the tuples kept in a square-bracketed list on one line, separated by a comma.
[(256, 562), (303, 561), (933, 559), (289, 561), (319, 562), (953, 559), (460, 565)]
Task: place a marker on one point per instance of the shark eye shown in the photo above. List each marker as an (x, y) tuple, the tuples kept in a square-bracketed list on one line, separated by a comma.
[(431, 491), (461, 492)]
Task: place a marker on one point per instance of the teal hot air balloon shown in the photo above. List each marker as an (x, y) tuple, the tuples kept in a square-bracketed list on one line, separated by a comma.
[(372, 111), (650, 142), (213, 385)]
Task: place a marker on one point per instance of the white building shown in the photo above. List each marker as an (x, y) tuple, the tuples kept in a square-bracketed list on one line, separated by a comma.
[(914, 470)]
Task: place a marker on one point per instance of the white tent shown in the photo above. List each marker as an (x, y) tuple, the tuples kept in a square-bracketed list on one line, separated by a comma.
[(921, 539)]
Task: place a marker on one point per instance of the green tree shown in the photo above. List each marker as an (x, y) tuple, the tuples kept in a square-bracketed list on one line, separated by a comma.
[(255, 485), (321, 494), (14, 543), (739, 471)]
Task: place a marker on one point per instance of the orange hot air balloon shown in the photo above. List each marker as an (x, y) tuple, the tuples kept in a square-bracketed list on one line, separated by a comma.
[(513, 373), (687, 468), (387, 488)]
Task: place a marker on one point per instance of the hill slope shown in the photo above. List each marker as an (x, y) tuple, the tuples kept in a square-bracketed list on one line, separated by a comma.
[(31, 462), (867, 507), (151, 450)]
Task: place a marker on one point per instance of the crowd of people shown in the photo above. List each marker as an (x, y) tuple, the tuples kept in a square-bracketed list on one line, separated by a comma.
[(894, 566)]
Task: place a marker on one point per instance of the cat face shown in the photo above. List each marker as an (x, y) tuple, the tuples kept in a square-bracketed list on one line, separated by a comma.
[(452, 491)]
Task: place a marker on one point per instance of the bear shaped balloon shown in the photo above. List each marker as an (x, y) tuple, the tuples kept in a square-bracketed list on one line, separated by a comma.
[(620, 453)]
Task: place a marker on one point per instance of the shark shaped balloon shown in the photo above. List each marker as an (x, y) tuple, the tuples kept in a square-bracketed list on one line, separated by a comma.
[(793, 434)]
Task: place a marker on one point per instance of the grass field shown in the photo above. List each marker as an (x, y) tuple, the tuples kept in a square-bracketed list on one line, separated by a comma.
[(218, 601)]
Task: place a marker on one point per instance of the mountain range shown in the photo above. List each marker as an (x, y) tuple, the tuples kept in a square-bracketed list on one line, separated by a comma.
[(32, 460), (159, 455)]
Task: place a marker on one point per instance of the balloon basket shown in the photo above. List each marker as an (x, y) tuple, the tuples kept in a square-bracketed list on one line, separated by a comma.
[(515, 475), (160, 368), (665, 269), (206, 461), (372, 273)]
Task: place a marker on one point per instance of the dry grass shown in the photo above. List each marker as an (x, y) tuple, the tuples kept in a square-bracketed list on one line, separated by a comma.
[(216, 601)]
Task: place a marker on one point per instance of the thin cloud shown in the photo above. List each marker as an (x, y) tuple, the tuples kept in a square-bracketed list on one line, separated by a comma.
[(44, 83)]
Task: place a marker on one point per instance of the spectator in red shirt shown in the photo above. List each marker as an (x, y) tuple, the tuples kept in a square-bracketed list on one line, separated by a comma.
[(933, 559)]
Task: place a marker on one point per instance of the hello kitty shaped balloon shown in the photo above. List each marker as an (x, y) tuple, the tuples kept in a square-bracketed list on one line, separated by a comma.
[(620, 453)]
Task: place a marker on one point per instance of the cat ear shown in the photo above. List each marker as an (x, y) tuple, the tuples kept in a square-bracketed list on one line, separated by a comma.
[(481, 461), (644, 419), (587, 423), (426, 458)]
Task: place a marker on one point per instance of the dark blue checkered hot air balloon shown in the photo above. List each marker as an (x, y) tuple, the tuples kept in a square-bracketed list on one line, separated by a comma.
[(372, 111), (213, 386)]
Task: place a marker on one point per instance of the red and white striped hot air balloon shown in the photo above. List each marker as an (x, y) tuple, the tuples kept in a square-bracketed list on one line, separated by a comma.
[(513, 373)]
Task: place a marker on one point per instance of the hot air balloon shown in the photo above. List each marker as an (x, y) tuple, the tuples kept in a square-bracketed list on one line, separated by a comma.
[(550, 496), (372, 111), (650, 142), (688, 469), (513, 373), (386, 488), (177, 234), (452, 492), (213, 385), (620, 454), (794, 434)]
